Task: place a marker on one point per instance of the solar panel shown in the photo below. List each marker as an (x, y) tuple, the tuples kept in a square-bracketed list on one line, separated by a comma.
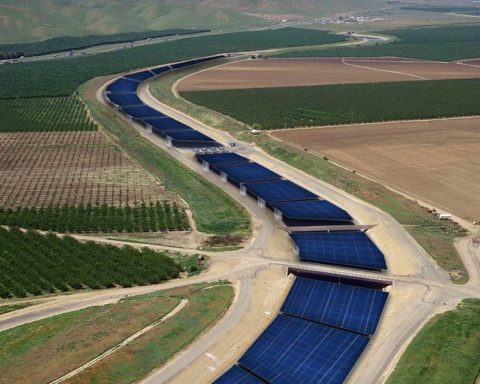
[(140, 76), (277, 191), (188, 63), (185, 135), (293, 350), (222, 158), (142, 112), (344, 306), (347, 248), (166, 124), (247, 172), (123, 86), (313, 210), (238, 375), (159, 70), (125, 99)]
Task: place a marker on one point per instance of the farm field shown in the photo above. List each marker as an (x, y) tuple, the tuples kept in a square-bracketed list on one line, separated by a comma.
[(99, 218), (36, 264), (55, 168), (58, 114), (436, 161), (269, 108), (63, 76), (302, 72), (445, 43), (56, 346), (59, 44)]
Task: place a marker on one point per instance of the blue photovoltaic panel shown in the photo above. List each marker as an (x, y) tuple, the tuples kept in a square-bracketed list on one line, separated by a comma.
[(352, 308), (293, 350), (281, 190), (313, 210), (125, 99), (166, 124), (160, 70), (238, 375), (123, 86), (247, 172), (188, 63), (222, 158), (186, 135), (142, 112), (347, 248), (140, 76)]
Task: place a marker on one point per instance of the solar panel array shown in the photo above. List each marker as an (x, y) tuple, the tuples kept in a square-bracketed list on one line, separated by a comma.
[(324, 326), (122, 94), (221, 158), (321, 332), (246, 172), (277, 191), (346, 248), (344, 306), (314, 210), (238, 375), (296, 350)]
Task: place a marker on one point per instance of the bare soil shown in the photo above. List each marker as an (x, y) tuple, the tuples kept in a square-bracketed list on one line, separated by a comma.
[(42, 168), (304, 72), (436, 161)]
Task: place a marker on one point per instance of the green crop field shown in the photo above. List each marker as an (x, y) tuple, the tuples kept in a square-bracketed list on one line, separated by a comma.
[(465, 10), (98, 218), (346, 103), (34, 264), (44, 115), (447, 349), (59, 44), (62, 77), (445, 43)]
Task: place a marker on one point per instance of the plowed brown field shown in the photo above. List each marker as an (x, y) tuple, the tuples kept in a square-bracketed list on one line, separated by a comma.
[(303, 72), (436, 161), (42, 168)]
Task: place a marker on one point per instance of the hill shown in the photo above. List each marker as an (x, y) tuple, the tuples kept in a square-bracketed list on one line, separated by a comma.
[(33, 20)]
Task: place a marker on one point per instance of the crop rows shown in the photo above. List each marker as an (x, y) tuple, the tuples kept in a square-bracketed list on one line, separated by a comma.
[(56, 168), (31, 263), (445, 43), (343, 104), (44, 115), (103, 218), (62, 77)]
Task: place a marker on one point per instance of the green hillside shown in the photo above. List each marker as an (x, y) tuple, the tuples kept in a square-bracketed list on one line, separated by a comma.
[(33, 20)]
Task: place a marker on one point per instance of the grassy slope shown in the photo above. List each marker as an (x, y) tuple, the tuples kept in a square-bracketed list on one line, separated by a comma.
[(340, 104), (432, 234), (156, 347), (447, 349), (214, 211), (30, 20), (57, 345), (445, 43), (63, 76)]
